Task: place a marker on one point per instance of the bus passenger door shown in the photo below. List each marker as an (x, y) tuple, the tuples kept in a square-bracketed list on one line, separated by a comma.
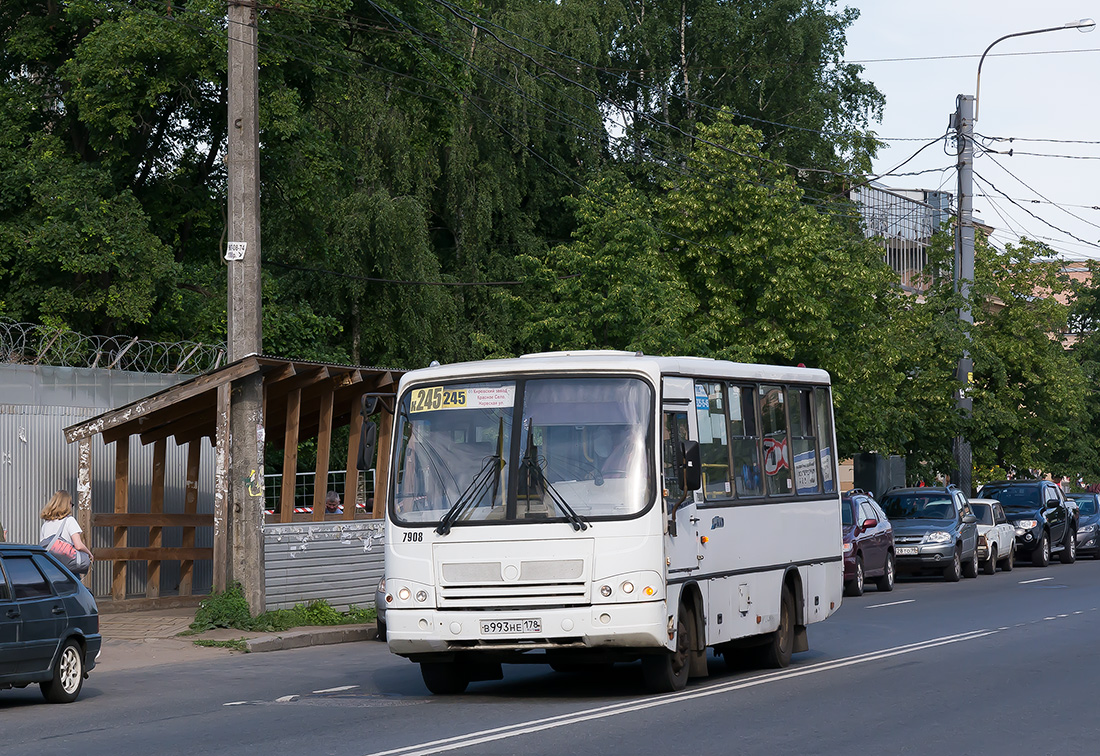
[(682, 538)]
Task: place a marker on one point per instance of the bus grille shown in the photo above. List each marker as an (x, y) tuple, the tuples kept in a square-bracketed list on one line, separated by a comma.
[(531, 583)]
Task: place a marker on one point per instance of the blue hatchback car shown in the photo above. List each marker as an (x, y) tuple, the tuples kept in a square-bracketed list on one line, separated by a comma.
[(49, 624)]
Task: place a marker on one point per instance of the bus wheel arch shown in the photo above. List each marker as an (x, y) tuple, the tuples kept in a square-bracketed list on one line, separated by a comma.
[(692, 598), (792, 581)]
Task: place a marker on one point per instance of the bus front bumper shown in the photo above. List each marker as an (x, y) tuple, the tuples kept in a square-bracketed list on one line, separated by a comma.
[(431, 631)]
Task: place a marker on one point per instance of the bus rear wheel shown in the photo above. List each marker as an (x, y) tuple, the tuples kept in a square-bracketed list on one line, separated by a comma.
[(445, 678), (776, 653), (668, 672)]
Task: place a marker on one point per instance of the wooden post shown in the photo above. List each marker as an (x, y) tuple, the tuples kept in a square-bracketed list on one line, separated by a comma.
[(221, 493), (122, 505), (290, 456), (84, 496), (382, 466), (156, 506), (324, 446), (190, 506), (351, 477)]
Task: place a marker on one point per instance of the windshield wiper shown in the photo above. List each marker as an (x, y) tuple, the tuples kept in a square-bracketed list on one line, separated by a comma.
[(533, 470), (488, 475)]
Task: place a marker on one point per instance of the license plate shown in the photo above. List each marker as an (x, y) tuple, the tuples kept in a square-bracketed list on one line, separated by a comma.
[(510, 627), (906, 550)]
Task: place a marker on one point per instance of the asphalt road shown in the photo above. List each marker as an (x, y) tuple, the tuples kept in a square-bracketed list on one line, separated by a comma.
[(1002, 664)]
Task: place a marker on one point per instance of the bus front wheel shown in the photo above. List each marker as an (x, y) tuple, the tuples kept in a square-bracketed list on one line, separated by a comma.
[(668, 672), (444, 678)]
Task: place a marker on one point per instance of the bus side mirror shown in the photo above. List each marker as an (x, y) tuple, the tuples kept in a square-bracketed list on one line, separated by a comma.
[(691, 472), (368, 434)]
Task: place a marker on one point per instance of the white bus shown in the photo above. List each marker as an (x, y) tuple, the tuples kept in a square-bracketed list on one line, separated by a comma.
[(587, 508)]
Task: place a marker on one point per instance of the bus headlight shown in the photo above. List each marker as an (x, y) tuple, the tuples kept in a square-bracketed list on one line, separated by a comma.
[(421, 596), (404, 594), (632, 586)]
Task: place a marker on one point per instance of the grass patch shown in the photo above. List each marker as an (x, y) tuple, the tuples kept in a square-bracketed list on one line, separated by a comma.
[(237, 644), (230, 609)]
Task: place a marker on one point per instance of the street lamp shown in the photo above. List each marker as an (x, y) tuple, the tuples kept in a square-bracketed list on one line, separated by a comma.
[(964, 118)]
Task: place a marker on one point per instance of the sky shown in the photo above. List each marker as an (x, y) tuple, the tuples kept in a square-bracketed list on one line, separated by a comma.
[(921, 55)]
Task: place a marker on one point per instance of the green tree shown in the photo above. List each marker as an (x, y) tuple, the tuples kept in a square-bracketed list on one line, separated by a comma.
[(1029, 392), (728, 262)]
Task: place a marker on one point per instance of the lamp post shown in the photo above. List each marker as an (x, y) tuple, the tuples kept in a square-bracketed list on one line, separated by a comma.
[(964, 118)]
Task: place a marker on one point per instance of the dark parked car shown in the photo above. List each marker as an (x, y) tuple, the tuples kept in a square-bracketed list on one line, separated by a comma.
[(868, 544), (934, 530), (1044, 523), (1088, 539), (49, 624)]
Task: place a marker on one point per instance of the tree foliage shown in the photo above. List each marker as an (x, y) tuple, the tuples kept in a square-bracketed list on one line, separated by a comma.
[(455, 180)]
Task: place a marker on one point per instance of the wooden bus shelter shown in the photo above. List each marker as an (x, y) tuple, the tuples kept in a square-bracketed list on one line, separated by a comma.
[(301, 400)]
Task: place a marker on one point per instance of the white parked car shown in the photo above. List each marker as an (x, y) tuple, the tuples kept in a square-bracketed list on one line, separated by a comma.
[(996, 535)]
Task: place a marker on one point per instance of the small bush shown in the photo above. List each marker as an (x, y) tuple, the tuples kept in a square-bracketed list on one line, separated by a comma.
[(230, 609)]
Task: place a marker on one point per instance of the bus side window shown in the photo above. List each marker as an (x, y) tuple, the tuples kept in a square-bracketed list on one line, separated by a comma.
[(804, 453), (825, 456), (773, 423), (713, 440), (745, 441)]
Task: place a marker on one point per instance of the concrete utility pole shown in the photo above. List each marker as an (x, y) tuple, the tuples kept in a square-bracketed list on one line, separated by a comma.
[(964, 275), (963, 120), (246, 435)]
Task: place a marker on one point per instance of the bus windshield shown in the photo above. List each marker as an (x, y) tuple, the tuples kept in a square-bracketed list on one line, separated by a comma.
[(582, 450)]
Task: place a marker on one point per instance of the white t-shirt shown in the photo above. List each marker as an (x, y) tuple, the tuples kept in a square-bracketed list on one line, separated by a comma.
[(66, 526)]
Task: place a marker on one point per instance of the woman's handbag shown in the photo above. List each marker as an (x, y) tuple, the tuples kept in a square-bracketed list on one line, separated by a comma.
[(76, 561)]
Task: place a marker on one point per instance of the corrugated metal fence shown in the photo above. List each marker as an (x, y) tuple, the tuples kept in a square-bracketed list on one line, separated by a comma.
[(36, 404), (339, 562)]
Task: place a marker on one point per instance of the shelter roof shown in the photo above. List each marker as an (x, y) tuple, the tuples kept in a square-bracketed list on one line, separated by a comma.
[(189, 410)]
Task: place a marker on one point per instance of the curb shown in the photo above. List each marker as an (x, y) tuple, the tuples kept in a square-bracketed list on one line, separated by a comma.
[(313, 637)]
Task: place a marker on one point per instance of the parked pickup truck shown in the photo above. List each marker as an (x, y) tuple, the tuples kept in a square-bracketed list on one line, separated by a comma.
[(1045, 525), (996, 535)]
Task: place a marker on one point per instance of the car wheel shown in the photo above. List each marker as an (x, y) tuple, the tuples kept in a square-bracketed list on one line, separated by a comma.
[(970, 569), (1069, 547), (381, 626), (886, 582), (953, 571), (990, 565), (1041, 556), (777, 653), (668, 672), (855, 585), (444, 678), (68, 675), (1008, 563)]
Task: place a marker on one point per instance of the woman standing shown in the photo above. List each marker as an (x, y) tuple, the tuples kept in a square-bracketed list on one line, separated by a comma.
[(57, 519)]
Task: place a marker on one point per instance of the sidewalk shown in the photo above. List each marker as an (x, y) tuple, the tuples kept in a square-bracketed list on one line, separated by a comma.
[(139, 639)]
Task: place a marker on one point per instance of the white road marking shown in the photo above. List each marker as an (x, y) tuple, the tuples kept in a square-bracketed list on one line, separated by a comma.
[(336, 690), (1036, 580), (286, 699), (892, 603), (601, 712), (235, 703)]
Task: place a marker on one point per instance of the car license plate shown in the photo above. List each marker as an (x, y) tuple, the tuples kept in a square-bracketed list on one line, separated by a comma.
[(510, 627), (906, 550)]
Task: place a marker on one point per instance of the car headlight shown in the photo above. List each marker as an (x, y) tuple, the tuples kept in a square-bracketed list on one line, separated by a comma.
[(1026, 524), (1089, 528), (847, 546), (939, 536)]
